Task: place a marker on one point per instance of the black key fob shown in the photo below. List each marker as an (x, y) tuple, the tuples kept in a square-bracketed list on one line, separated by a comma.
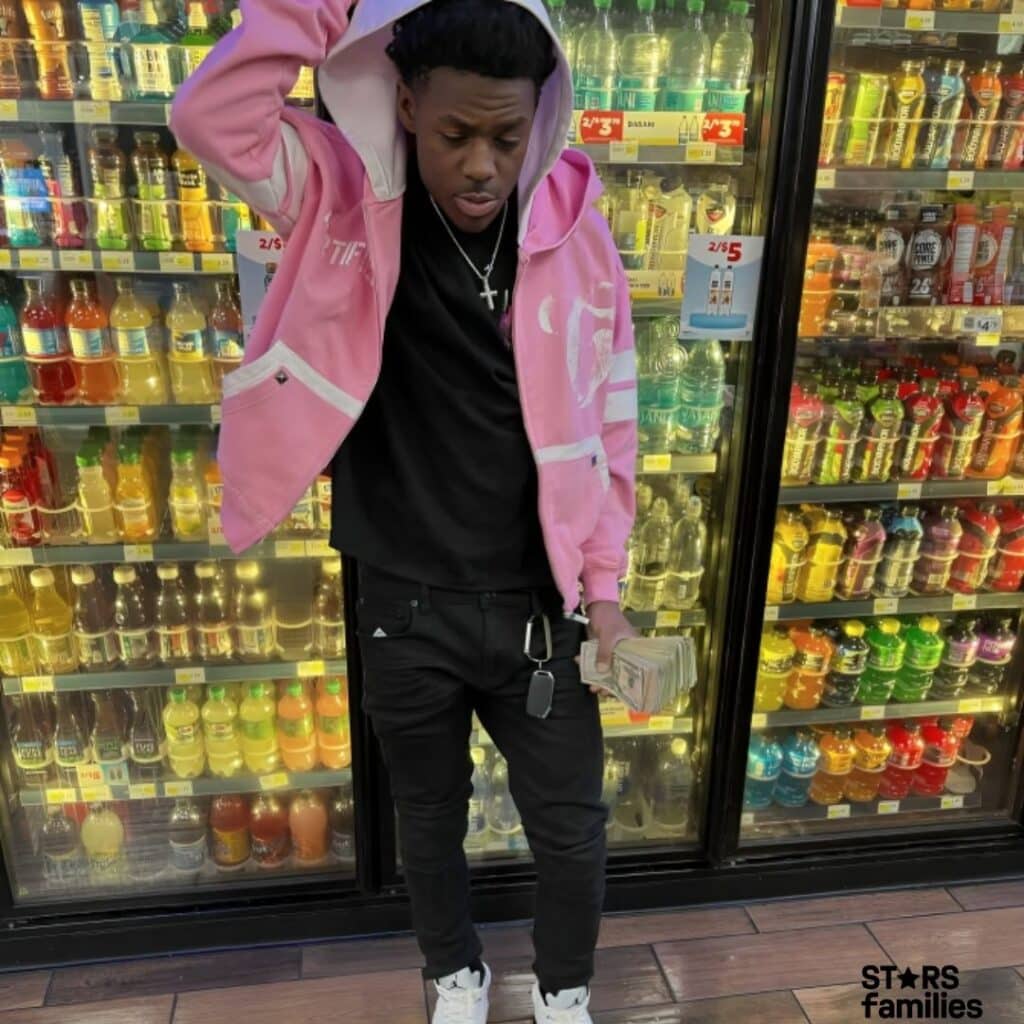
[(541, 694)]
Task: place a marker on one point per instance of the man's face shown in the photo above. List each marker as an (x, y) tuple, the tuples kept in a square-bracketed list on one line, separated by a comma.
[(471, 136)]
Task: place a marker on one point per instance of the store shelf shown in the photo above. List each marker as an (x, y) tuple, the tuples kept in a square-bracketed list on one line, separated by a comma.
[(111, 415), (114, 262), (880, 712), (694, 154), (874, 809), (878, 179), (191, 787), (695, 465), (930, 21), (183, 675), (666, 619), (142, 112), (905, 491), (655, 725), (892, 606)]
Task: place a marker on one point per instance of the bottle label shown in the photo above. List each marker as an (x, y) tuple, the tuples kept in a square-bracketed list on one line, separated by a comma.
[(56, 652), (215, 641), (146, 750), (134, 644), (42, 343), (31, 754), (192, 179), (108, 749), (298, 728), (174, 644), (194, 56), (634, 96), (104, 864), (63, 868), (135, 512), (89, 342), (329, 638), (186, 733), (258, 729), (332, 725), (10, 342), (995, 650), (230, 848), (96, 650), (132, 341), (153, 68), (594, 92), (303, 516), (961, 653), (189, 855), (187, 344), (256, 641), (16, 653), (269, 850), (684, 100), (227, 345), (723, 99), (342, 846), (70, 751), (220, 730), (187, 518)]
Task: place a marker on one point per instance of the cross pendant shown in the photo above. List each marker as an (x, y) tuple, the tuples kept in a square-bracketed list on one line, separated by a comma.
[(488, 294)]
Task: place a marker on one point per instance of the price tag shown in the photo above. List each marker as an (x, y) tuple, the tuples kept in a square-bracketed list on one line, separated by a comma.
[(117, 262), (319, 549), (951, 803), (18, 416), (95, 794), (177, 789), (826, 177), (5, 259), (758, 721), (167, 112), (919, 21), (289, 549), (142, 791), (771, 613), (969, 707), (838, 811), (960, 180), (182, 262), (988, 340), (74, 259), (138, 552), (886, 605), (310, 669), (37, 684), (89, 775), (17, 556), (92, 111), (215, 413), (661, 723), (9, 110), (872, 712), (667, 619), (747, 819), (908, 491), (700, 153), (1012, 485), (625, 152), (121, 415), (965, 602), (994, 487), (35, 259), (190, 676), (217, 263), (657, 464), (888, 807), (276, 781), (62, 796), (686, 725), (613, 713), (1011, 24)]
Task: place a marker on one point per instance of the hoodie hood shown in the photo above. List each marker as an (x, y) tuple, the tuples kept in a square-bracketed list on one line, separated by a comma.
[(357, 83)]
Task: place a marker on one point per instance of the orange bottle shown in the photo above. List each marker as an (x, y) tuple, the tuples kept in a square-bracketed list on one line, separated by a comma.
[(91, 348), (307, 819), (296, 737), (818, 289), (1000, 432), (332, 727), (836, 762), (807, 680)]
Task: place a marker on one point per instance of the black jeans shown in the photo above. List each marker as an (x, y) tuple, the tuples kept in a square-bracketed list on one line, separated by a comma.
[(432, 657)]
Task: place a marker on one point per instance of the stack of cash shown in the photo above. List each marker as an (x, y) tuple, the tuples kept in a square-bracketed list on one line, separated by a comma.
[(646, 674)]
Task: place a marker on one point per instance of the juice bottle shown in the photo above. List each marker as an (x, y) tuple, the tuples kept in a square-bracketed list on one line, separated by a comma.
[(876, 452), (977, 548), (775, 664), (905, 759), (255, 638), (259, 741), (939, 546), (140, 361), (220, 726), (51, 619), (904, 534), (225, 333), (872, 748), (844, 418), (984, 95), (112, 224), (185, 496), (963, 237), (307, 818), (229, 831), (133, 621), (333, 735), (191, 372), (175, 642), (865, 541), (214, 487), (103, 842), (152, 180), (296, 734), (185, 751), (958, 436), (1007, 569), (922, 422), (847, 665), (49, 30), (271, 837), (93, 622), (328, 617), (806, 682), (803, 433), (816, 580), (765, 757), (924, 653), (789, 547), (91, 348), (133, 500), (47, 349), (196, 210), (95, 502), (17, 650), (213, 620), (999, 436), (14, 382), (834, 768), (800, 756)]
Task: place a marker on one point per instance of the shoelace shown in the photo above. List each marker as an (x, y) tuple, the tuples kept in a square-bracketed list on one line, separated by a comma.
[(459, 1003)]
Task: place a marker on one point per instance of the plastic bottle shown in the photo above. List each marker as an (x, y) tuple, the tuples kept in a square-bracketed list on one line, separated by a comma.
[(255, 635), (175, 641), (847, 665), (800, 756), (60, 844), (476, 827), (259, 740), (197, 42), (196, 209), (296, 732), (765, 757), (670, 794), (112, 223), (872, 748), (996, 640), (646, 586), (93, 622), (689, 59), (230, 842), (922, 423), (978, 547), (185, 750), (876, 452), (701, 397), (904, 534), (103, 841), (999, 436), (17, 647), (226, 345), (51, 619), (91, 348), (834, 767), (341, 815), (47, 348), (214, 629), (151, 56), (686, 558), (328, 616), (95, 501), (31, 742), (923, 656), (140, 359), (906, 757), (185, 497), (307, 819), (187, 838), (333, 735), (640, 67), (1006, 571), (147, 741), (133, 499), (806, 682), (865, 542), (152, 182), (189, 362), (960, 653), (939, 546), (502, 816), (10, 80), (269, 831), (49, 29), (803, 433), (108, 737), (817, 578), (71, 747), (220, 729), (789, 551), (14, 380), (732, 58), (887, 652), (775, 663), (133, 621), (597, 61), (984, 96)]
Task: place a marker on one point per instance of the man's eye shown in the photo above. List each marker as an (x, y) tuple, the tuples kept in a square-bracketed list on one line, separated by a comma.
[(508, 143), (454, 138)]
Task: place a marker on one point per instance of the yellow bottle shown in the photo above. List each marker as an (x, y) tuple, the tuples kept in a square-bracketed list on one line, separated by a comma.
[(259, 740), (220, 727), (94, 498), (817, 578), (196, 212), (185, 750), (789, 544), (773, 668), (133, 500), (51, 616), (188, 514), (140, 362), (17, 655), (189, 361)]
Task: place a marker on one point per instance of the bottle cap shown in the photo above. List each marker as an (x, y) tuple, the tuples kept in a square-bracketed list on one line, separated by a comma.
[(680, 748), (177, 695), (247, 571), (128, 453), (205, 570), (853, 627), (255, 689), (333, 685), (182, 452), (87, 456), (40, 578), (217, 692), (124, 574), (167, 571), (889, 626), (295, 688), (478, 755), (929, 624), (82, 574)]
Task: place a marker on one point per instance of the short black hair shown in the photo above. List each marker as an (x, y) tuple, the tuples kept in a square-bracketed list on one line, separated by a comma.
[(494, 38)]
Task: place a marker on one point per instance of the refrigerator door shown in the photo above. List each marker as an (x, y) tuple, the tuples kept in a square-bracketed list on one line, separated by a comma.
[(173, 719), (888, 683)]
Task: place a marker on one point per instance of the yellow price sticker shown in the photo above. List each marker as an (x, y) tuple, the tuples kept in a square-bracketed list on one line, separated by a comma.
[(62, 796), (177, 789), (215, 413), (182, 262), (92, 111), (994, 487), (965, 602), (117, 262), (838, 811), (1012, 485), (988, 340), (960, 180), (138, 552), (951, 803), (888, 807), (969, 707), (626, 152), (9, 110), (95, 794), (190, 676), (5, 259), (17, 556), (1011, 24), (310, 669), (758, 721), (668, 619), (919, 21), (74, 259), (289, 549), (217, 263), (886, 605), (18, 416), (826, 177), (35, 259), (142, 791), (37, 684), (700, 153), (319, 549), (661, 723), (908, 491), (771, 613), (872, 712), (657, 464), (747, 819), (121, 415), (278, 780)]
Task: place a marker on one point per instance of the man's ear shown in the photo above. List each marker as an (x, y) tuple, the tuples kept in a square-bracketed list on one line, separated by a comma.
[(406, 107)]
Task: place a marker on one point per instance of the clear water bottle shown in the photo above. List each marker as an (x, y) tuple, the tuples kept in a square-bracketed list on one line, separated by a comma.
[(670, 790), (732, 58), (689, 58), (686, 560), (661, 362), (597, 61), (476, 830), (563, 28), (701, 397), (646, 587), (500, 809), (640, 62), (616, 779)]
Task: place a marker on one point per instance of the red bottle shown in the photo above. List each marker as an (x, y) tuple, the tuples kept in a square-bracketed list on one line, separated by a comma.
[(906, 757), (268, 826), (803, 433), (229, 831), (47, 349), (1007, 568), (977, 548), (961, 426), (1000, 432), (941, 746), (922, 420), (1008, 140)]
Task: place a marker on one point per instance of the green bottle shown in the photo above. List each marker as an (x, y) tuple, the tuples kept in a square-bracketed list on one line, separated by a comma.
[(197, 41), (924, 655), (888, 647), (844, 417), (14, 383), (151, 57)]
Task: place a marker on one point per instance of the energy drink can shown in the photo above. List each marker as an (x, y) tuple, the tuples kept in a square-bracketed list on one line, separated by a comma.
[(866, 120), (835, 93)]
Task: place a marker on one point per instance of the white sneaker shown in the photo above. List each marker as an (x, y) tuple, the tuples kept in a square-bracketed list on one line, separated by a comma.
[(566, 1007), (462, 998)]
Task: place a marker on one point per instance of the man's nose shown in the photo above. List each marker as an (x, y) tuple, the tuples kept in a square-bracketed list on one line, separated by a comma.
[(480, 166)]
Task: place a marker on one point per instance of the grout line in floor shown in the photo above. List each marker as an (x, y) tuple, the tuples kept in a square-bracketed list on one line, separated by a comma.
[(661, 971), (174, 1008), (49, 986)]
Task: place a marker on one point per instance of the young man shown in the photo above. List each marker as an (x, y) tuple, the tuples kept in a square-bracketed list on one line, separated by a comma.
[(450, 324)]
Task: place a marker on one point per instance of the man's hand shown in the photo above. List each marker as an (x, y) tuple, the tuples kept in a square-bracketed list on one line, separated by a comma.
[(607, 626)]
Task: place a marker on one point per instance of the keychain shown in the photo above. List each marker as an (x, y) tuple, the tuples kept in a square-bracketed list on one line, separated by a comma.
[(542, 683)]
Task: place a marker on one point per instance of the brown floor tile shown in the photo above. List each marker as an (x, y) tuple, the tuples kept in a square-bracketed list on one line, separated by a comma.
[(1001, 993), (635, 929), (990, 895), (172, 974), (626, 977), (392, 997), (510, 942), (744, 964), (972, 940), (766, 1008), (154, 1010), (785, 915), (360, 956), (27, 988)]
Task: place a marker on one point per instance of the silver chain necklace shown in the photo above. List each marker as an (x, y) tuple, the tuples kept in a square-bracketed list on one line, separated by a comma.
[(488, 292)]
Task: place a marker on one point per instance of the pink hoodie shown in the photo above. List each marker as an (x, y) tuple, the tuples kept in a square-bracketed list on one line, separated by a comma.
[(335, 193)]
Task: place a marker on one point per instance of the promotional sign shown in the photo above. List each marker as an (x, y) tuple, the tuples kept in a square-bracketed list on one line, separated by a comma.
[(259, 255), (723, 273)]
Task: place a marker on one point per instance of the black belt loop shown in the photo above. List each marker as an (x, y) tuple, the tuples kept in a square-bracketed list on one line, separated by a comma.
[(424, 598)]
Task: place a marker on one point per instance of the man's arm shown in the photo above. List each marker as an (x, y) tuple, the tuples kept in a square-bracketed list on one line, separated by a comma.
[(228, 113)]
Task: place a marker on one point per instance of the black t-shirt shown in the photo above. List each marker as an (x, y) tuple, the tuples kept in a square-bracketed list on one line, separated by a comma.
[(436, 482)]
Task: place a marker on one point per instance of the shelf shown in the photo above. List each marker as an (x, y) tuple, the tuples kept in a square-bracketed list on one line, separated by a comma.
[(110, 415), (172, 788), (904, 491), (141, 112), (879, 712), (185, 675), (114, 262), (984, 326), (930, 21), (876, 808), (655, 307), (666, 619), (692, 154), (892, 606), (695, 465), (879, 179)]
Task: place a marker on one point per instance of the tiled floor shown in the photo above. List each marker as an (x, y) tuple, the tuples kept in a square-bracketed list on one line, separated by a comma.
[(785, 962)]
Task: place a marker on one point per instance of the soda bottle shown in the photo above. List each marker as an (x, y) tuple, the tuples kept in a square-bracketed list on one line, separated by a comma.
[(939, 546), (908, 100), (342, 822), (977, 548), (14, 381), (1007, 138), (476, 827), (904, 534), (140, 359), (259, 741), (213, 622), (960, 652), (186, 838), (645, 588), (701, 397), (136, 513), (922, 423), (1000, 432), (17, 647), (1007, 568), (185, 751), (152, 182), (996, 639), (961, 427), (333, 736), (328, 617), (803, 433), (174, 638), (843, 420), (31, 745), (862, 552), (189, 362), (847, 666), (816, 580), (887, 651), (296, 733), (307, 818), (834, 767), (984, 95), (686, 558), (670, 791), (93, 622), (640, 67), (926, 266), (51, 618), (196, 209), (806, 682), (923, 656), (230, 842), (147, 741), (872, 748), (47, 349), (800, 756), (49, 30), (732, 58), (876, 451), (103, 841), (91, 348), (789, 551), (133, 620), (269, 831), (775, 663), (226, 346), (185, 497), (944, 97), (905, 759), (220, 728), (765, 758), (108, 737), (71, 749), (597, 61), (60, 844)]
